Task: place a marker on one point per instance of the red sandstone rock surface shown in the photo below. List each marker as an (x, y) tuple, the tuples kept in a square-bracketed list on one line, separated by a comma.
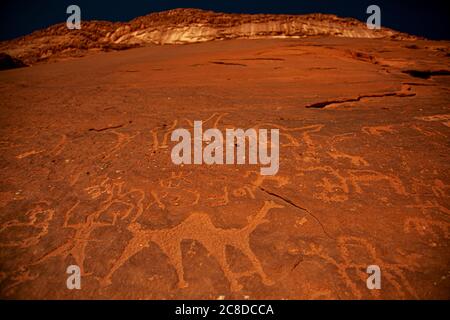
[(87, 178)]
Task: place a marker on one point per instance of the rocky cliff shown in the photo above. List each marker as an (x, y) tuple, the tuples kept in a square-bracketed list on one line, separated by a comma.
[(181, 26)]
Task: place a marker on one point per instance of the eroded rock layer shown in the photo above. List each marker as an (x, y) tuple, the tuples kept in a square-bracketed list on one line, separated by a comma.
[(182, 26)]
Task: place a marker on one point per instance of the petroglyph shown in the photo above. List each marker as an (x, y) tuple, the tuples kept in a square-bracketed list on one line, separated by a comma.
[(199, 227), (335, 188), (351, 268), (222, 200), (440, 189), (165, 138), (433, 224), (27, 233), (431, 228), (355, 160), (29, 153), (443, 118), (378, 130), (122, 140), (111, 201), (113, 193), (295, 141), (368, 177), (60, 146), (340, 183)]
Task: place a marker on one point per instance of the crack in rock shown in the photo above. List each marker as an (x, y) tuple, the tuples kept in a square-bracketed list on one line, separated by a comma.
[(426, 74), (228, 63), (323, 104), (298, 207), (106, 128)]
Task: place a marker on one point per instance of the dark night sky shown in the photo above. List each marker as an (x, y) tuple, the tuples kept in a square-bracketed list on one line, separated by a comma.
[(425, 18)]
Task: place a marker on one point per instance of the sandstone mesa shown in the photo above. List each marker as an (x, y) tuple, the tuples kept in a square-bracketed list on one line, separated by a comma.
[(181, 26)]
